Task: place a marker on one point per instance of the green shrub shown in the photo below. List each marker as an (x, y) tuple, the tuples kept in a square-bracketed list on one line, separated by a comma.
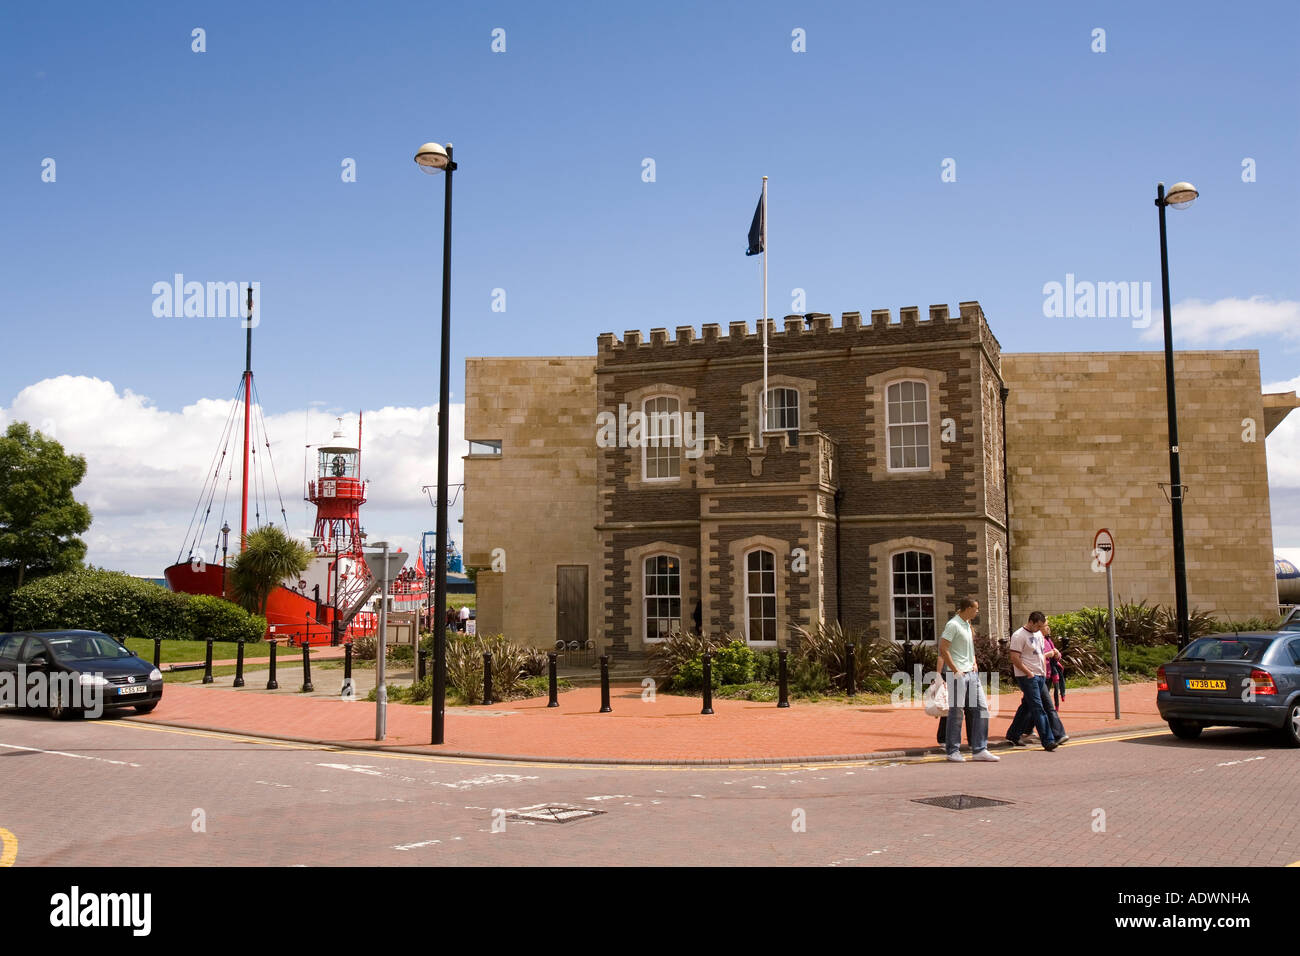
[(676, 660), (401, 653), (734, 663), (465, 667), (365, 649), (767, 666), (207, 616), (809, 676), (124, 606), (1230, 625), (827, 644), (756, 691)]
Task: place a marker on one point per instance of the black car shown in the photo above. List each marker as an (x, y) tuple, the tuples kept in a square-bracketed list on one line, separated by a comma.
[(78, 666), (1233, 680)]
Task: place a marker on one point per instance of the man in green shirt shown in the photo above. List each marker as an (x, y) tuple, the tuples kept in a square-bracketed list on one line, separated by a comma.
[(965, 693)]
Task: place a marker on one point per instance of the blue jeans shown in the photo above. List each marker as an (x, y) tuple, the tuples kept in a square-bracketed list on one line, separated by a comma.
[(1033, 710), (966, 698)]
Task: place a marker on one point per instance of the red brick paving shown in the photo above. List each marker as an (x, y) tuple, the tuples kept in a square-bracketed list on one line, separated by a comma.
[(669, 729)]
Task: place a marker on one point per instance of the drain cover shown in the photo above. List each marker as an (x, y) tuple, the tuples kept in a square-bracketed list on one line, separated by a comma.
[(962, 801), (553, 813)]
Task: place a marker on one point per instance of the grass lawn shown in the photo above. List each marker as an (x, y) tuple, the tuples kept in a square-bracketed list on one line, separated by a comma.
[(175, 652)]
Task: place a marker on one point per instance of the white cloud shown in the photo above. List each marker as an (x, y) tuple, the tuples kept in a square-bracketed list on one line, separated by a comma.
[(146, 466), (1197, 322)]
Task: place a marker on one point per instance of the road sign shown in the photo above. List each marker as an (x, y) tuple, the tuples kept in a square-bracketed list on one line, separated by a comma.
[(1103, 548)]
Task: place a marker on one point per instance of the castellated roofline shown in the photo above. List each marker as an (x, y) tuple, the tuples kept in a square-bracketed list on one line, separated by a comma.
[(880, 324)]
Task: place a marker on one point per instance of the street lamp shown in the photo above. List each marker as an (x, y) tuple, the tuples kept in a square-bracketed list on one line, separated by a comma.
[(433, 158), (1180, 196), (225, 538)]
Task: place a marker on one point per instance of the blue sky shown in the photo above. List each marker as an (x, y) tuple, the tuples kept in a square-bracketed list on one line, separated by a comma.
[(226, 165)]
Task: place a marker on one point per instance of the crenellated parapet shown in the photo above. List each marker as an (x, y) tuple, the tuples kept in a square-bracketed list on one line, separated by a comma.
[(810, 332)]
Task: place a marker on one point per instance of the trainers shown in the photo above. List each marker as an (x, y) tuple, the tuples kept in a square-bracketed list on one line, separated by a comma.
[(1063, 738), (986, 757), (1032, 738), (1049, 747), (956, 758), (1016, 742)]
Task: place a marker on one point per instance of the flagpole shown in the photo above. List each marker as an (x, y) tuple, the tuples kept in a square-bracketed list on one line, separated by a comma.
[(762, 405)]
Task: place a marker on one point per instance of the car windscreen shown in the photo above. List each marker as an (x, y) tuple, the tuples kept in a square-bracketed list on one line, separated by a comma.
[(86, 647), (1220, 648), (1291, 624)]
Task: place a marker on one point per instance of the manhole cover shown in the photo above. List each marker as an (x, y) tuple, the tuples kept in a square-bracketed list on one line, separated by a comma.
[(553, 813), (962, 801)]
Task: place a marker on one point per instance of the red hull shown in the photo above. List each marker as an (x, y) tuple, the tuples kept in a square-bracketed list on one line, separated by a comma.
[(295, 617)]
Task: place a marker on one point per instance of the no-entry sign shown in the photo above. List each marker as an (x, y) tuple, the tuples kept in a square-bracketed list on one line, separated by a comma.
[(1103, 548)]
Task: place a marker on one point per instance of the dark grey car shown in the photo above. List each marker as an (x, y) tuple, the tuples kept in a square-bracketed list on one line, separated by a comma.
[(96, 662), (1234, 680)]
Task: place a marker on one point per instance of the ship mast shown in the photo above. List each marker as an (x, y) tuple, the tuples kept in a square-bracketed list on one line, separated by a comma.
[(248, 389)]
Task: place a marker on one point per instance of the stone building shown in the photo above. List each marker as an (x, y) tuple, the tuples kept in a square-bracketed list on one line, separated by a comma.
[(611, 497)]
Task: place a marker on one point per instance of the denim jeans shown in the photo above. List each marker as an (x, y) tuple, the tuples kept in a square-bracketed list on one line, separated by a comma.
[(1033, 710), (966, 698)]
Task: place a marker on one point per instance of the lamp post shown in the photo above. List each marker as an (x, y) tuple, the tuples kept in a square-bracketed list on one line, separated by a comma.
[(225, 539), (1180, 196), (433, 158)]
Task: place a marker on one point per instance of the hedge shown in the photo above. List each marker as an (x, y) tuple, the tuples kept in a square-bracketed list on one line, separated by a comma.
[(123, 606)]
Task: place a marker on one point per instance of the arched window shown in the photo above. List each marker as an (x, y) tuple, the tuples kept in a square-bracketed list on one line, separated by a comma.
[(661, 432), (760, 597), (663, 596), (907, 417), (782, 409), (912, 590)]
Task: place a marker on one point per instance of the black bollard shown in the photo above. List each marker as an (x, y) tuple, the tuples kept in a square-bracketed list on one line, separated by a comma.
[(307, 687), (783, 690), (348, 690), (708, 685), (272, 683), (555, 686), (604, 685), (207, 664), (239, 663), (907, 657), (487, 678), (157, 652), (849, 669), (420, 656)]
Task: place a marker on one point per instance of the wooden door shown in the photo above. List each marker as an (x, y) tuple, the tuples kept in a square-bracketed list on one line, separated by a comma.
[(571, 603)]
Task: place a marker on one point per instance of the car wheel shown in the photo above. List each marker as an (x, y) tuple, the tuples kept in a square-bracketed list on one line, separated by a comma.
[(1291, 729), (146, 708), (1185, 729)]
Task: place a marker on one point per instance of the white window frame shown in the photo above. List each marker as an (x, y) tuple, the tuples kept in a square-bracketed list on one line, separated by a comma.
[(647, 597), (798, 409), (776, 608), (645, 437), (934, 604), (890, 425)]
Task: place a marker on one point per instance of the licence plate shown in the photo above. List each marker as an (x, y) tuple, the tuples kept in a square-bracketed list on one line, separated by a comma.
[(132, 690), (1207, 684)]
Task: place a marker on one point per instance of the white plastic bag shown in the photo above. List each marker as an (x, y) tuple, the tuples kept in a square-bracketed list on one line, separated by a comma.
[(936, 698)]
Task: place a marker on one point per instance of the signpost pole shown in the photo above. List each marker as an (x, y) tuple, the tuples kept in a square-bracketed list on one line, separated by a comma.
[(1114, 644)]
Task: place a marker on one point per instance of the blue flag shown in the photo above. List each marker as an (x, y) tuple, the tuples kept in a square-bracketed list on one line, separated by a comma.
[(756, 230)]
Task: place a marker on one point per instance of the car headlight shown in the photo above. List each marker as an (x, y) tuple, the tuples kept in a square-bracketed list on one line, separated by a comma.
[(92, 680), (155, 674)]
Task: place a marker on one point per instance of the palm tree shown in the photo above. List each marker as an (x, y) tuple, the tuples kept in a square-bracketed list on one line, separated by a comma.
[(269, 557)]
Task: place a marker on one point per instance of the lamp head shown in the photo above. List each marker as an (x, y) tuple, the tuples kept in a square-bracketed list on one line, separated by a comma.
[(431, 158), (1181, 195)]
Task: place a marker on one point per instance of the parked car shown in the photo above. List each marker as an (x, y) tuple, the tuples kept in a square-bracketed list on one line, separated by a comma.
[(1291, 622), (1233, 680), (98, 663)]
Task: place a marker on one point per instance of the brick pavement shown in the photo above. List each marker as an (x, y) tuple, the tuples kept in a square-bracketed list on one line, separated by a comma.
[(668, 729)]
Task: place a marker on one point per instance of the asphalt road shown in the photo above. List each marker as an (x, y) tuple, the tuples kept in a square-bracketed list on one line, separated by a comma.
[(123, 793)]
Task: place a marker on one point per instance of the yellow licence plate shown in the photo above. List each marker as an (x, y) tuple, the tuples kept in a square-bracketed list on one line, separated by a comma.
[(1207, 685)]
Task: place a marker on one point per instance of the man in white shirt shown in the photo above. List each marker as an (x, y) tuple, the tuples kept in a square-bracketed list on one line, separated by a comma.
[(464, 617), (965, 693), (1030, 667)]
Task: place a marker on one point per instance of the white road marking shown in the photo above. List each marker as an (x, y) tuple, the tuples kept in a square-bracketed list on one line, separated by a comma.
[(614, 796), (64, 753), (268, 783), (416, 846), (487, 779), (367, 769), (1233, 763)]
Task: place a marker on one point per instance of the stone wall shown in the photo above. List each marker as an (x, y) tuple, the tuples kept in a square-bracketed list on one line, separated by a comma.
[(1086, 446)]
